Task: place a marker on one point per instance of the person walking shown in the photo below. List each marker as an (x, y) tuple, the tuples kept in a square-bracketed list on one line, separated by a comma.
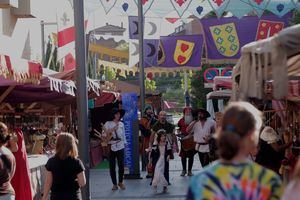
[(159, 157), (170, 136), (64, 171), (115, 130), (145, 125), (187, 150), (202, 129), (234, 176), (7, 165)]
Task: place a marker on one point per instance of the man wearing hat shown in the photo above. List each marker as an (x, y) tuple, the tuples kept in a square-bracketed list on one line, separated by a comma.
[(116, 129), (145, 125), (202, 129)]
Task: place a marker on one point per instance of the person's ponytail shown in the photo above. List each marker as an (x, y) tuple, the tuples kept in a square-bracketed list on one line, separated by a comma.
[(228, 144)]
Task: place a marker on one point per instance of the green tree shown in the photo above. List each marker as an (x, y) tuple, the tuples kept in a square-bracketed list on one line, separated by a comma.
[(51, 54), (198, 91), (150, 84), (189, 80), (110, 74)]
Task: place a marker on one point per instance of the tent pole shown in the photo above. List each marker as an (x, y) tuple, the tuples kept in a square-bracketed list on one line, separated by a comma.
[(141, 54)]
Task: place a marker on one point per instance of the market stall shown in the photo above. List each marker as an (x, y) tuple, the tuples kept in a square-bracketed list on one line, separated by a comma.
[(269, 70)]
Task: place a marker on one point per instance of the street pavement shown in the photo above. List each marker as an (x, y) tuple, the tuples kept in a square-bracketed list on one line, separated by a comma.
[(140, 189)]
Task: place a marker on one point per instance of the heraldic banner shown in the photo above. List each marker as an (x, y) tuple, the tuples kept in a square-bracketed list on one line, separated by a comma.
[(180, 51), (226, 36)]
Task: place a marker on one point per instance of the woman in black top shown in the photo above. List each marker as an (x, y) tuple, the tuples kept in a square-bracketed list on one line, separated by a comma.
[(64, 171)]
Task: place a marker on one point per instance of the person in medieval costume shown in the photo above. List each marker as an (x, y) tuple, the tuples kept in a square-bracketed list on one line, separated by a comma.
[(187, 150), (145, 125)]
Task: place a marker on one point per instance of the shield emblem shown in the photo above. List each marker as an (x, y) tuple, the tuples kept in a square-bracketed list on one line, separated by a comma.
[(183, 51), (226, 39), (268, 28)]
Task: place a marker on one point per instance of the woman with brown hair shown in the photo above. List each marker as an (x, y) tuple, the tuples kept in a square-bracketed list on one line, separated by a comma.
[(234, 176), (7, 165), (64, 171)]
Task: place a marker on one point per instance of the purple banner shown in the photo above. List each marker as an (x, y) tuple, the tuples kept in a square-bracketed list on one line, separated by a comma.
[(150, 52), (180, 51), (226, 36), (133, 27)]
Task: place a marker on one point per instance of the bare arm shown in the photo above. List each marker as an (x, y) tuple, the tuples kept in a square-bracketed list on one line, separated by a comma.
[(81, 179), (48, 184)]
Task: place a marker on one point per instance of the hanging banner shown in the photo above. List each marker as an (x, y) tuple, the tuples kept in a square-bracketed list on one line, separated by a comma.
[(129, 104), (151, 52), (179, 51), (225, 37), (151, 28)]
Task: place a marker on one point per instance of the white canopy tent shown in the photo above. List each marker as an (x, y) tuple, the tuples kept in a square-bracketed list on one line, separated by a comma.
[(276, 58)]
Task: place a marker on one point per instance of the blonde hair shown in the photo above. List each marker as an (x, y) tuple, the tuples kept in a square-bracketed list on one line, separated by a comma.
[(66, 146), (4, 136)]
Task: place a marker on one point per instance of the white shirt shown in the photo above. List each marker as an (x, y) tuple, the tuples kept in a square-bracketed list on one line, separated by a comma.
[(200, 132), (120, 134)]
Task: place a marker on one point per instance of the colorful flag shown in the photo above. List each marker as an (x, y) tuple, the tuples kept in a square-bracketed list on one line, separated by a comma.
[(151, 28), (66, 29), (66, 32), (219, 6), (179, 51), (268, 28), (225, 36), (180, 6), (150, 52), (108, 5)]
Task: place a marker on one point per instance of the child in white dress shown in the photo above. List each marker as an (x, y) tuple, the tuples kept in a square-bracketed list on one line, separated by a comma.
[(159, 158)]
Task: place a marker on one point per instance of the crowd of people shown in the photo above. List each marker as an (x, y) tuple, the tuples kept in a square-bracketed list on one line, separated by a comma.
[(240, 157)]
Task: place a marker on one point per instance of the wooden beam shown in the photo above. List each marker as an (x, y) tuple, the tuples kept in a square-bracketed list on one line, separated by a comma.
[(9, 107), (31, 106), (7, 91)]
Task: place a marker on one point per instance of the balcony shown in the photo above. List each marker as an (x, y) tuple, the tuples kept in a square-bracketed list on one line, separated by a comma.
[(24, 10), (8, 3)]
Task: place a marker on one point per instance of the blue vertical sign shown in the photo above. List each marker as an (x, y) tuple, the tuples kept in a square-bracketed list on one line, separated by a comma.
[(129, 104)]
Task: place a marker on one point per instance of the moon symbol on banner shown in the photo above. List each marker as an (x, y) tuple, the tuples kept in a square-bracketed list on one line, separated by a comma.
[(153, 49), (136, 51), (154, 28), (137, 28)]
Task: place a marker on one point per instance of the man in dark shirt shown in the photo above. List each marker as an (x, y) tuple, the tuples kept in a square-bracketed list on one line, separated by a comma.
[(170, 135)]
